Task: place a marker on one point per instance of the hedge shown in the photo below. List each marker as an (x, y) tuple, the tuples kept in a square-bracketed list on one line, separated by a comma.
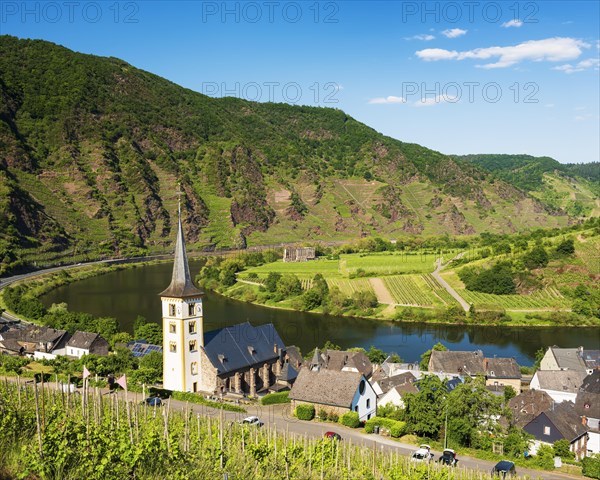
[(273, 398), (350, 419), (305, 412), (395, 427), (196, 398)]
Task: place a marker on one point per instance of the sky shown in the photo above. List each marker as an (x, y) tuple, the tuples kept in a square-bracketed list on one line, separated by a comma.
[(459, 77)]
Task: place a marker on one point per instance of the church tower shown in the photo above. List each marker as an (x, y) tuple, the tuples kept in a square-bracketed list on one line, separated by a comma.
[(183, 329)]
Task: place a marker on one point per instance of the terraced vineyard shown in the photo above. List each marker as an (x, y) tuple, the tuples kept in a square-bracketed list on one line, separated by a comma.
[(411, 290), (438, 290), (548, 298), (349, 286), (387, 264)]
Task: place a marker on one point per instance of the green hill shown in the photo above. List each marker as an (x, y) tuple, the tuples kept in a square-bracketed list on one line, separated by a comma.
[(573, 188), (92, 150)]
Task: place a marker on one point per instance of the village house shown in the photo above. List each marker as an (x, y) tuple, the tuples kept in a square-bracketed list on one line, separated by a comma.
[(587, 406), (341, 361), (34, 340), (575, 359), (299, 254), (335, 392), (528, 405), (384, 385), (395, 395), (86, 343), (498, 372), (389, 369), (559, 422), (561, 385)]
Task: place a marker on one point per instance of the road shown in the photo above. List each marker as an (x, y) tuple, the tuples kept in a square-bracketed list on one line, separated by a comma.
[(436, 274)]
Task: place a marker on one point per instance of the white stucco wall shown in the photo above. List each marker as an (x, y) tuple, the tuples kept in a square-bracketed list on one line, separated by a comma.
[(392, 397), (361, 400), (593, 445)]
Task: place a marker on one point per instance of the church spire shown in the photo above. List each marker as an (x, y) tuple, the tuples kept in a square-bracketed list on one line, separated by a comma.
[(181, 281)]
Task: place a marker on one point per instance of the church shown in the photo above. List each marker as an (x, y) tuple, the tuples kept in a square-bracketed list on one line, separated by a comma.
[(240, 359)]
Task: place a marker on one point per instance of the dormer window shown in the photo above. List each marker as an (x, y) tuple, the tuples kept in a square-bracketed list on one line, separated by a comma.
[(251, 350), (587, 406), (221, 358)]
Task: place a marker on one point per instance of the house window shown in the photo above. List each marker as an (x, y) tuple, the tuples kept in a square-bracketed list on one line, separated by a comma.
[(368, 403), (192, 327), (172, 327), (173, 347), (191, 307), (193, 345), (361, 387), (171, 309), (546, 430), (194, 368), (356, 408)]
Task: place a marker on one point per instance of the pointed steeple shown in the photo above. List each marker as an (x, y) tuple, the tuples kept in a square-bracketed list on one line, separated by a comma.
[(181, 281)]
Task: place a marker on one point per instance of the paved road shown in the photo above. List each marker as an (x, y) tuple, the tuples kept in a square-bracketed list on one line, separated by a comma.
[(449, 289)]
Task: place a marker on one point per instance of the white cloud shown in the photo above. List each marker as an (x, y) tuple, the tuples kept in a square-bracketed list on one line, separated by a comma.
[(513, 23), (555, 49), (454, 32), (424, 36), (579, 67), (387, 100), (429, 102)]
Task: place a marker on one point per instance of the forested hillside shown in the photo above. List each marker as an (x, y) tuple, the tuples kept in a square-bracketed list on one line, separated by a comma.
[(92, 151)]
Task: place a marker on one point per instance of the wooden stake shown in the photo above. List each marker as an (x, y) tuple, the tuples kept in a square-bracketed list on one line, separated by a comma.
[(37, 420)]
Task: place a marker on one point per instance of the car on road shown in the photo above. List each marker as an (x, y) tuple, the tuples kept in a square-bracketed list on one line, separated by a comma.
[(448, 458), (503, 469), (333, 436), (153, 402), (252, 421), (423, 454)]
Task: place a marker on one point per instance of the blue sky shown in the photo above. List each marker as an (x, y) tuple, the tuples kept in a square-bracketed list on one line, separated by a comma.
[(458, 77)]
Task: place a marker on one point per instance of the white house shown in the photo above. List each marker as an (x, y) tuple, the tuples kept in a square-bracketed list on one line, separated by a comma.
[(394, 395), (86, 343), (576, 359), (561, 385), (335, 392)]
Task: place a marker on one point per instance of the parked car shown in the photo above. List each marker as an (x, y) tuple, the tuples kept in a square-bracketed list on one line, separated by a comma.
[(503, 469), (153, 402), (448, 458), (252, 421), (423, 454), (333, 436)]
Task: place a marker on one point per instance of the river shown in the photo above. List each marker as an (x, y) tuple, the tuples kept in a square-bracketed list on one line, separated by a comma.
[(127, 293)]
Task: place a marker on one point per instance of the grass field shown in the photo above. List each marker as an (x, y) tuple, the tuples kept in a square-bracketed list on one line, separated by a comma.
[(328, 268), (387, 263)]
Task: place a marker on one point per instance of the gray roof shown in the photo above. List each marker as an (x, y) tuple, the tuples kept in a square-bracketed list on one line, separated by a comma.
[(34, 334), (591, 358), (588, 404), (181, 281), (241, 346), (464, 363), (502, 368), (568, 358), (294, 356), (340, 359), (326, 387), (591, 383), (565, 419), (560, 380), (386, 384), (528, 405), (83, 340), (288, 373)]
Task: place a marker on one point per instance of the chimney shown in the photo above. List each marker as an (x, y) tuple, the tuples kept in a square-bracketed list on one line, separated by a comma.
[(584, 420)]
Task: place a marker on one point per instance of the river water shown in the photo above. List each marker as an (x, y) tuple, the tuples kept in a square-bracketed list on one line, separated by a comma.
[(128, 293)]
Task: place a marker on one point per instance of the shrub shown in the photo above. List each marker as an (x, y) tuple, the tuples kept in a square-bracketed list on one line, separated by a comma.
[(350, 419), (305, 412), (333, 417), (591, 466), (273, 398), (395, 427)]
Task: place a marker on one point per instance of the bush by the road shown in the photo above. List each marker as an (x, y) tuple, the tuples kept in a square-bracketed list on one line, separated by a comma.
[(395, 427), (350, 419), (591, 466), (305, 412)]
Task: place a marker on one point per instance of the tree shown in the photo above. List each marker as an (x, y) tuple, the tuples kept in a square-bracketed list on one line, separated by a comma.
[(424, 365), (566, 247), (150, 332), (272, 281), (562, 449), (289, 286), (536, 258), (424, 411), (376, 355), (509, 392), (364, 299)]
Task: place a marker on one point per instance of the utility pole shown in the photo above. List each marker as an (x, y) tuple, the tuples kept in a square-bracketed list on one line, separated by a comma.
[(446, 429)]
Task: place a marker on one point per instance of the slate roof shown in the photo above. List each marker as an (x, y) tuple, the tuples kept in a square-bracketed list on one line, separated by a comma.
[(560, 380), (464, 363), (340, 359), (294, 356), (591, 358), (386, 384), (502, 368), (181, 282), (528, 405), (406, 388), (241, 346), (588, 404), (35, 334), (565, 419), (568, 358), (326, 387), (83, 340), (288, 373), (591, 383)]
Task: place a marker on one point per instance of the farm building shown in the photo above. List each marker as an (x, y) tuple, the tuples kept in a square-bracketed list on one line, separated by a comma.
[(299, 254)]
